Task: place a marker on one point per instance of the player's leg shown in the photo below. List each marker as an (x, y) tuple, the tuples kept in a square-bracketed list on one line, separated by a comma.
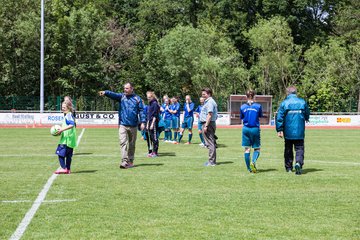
[(176, 130), (62, 162), (190, 136), (247, 158), (288, 155), (256, 145), (201, 136), (69, 154), (299, 150), (189, 124), (246, 143), (168, 135), (182, 130), (155, 142), (148, 141)]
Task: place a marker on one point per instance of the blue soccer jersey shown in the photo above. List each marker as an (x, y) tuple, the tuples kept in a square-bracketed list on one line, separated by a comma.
[(176, 107), (250, 114), (166, 114), (186, 112)]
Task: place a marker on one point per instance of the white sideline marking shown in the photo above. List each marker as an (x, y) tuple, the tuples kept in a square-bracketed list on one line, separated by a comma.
[(40, 199), (45, 201), (178, 156)]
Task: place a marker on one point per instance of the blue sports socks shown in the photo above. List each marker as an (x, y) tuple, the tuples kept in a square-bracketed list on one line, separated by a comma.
[(68, 162), (62, 162), (202, 138), (190, 137), (180, 137), (247, 160), (175, 135), (256, 155)]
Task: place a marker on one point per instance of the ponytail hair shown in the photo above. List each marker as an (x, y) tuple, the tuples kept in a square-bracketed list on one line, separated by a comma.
[(250, 94)]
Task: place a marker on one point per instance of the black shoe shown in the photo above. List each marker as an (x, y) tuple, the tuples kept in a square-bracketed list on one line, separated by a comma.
[(297, 169)]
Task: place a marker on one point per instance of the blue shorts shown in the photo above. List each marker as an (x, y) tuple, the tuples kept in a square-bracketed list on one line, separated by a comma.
[(200, 125), (251, 137), (167, 123), (175, 122), (188, 123)]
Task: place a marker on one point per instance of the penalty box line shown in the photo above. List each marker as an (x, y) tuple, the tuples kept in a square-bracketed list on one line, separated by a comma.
[(20, 230)]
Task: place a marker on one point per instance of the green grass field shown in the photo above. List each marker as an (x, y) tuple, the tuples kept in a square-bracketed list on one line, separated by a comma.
[(174, 196)]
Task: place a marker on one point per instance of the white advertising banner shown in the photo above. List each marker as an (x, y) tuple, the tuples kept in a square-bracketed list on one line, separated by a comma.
[(111, 118), (334, 120), (81, 118)]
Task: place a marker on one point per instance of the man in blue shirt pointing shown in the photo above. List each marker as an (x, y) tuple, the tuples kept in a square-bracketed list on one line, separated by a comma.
[(131, 114), (250, 112)]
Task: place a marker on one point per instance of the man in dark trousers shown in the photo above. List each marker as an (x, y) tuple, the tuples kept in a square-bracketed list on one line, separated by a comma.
[(208, 116), (290, 124)]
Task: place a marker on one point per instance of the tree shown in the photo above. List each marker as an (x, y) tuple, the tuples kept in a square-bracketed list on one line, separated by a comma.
[(199, 57), (329, 80), (276, 56)]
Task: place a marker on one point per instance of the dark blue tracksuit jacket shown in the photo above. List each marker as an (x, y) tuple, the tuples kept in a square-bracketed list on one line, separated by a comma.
[(131, 108)]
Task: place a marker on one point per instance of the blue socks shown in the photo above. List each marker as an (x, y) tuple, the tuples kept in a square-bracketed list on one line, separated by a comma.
[(247, 160), (180, 137), (175, 135), (62, 162), (190, 137), (256, 155), (202, 138)]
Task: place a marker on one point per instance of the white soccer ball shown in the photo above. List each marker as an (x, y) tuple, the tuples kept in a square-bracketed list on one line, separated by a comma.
[(54, 130)]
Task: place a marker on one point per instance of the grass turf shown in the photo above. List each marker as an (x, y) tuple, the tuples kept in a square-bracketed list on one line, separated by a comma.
[(174, 196)]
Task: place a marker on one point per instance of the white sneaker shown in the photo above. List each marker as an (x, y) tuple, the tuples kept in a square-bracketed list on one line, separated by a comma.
[(201, 145)]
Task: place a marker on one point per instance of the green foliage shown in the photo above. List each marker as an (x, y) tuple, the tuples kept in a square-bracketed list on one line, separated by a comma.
[(329, 77), (178, 47), (199, 57), (276, 53)]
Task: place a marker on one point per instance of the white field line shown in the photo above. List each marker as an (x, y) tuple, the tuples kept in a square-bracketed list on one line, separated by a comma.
[(20, 230), (45, 201), (180, 156)]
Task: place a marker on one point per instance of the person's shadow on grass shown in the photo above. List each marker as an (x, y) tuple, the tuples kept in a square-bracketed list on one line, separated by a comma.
[(84, 171), (221, 163), (148, 165), (266, 170), (167, 154), (310, 170), (82, 154)]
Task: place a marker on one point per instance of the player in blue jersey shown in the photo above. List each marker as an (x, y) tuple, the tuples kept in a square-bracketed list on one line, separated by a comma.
[(175, 111), (197, 112), (188, 119), (250, 113), (167, 118)]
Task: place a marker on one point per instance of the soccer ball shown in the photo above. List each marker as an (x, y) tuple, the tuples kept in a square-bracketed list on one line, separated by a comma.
[(54, 130)]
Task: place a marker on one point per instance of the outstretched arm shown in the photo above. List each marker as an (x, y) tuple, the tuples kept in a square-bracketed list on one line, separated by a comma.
[(112, 95)]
